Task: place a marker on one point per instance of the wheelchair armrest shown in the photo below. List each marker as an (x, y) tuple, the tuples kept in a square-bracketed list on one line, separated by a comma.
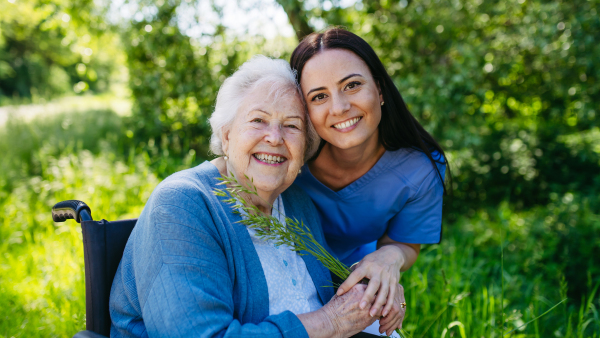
[(88, 334)]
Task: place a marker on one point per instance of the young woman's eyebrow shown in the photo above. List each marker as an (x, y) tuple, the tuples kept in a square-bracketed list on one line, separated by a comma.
[(314, 90), (349, 76), (339, 82)]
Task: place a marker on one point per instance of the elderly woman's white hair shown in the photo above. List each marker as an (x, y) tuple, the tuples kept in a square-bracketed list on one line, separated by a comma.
[(254, 72)]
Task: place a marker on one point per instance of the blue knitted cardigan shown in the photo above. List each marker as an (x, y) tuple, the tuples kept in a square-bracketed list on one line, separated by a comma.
[(190, 270)]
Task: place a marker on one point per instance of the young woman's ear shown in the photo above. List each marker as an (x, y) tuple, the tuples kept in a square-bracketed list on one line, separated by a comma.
[(379, 90)]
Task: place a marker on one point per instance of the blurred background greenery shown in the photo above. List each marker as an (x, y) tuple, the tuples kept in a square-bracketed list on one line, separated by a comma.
[(100, 100)]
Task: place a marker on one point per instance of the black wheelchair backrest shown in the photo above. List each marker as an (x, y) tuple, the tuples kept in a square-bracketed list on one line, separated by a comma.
[(103, 246)]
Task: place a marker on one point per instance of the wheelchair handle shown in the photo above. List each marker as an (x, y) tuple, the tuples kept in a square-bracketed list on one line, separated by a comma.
[(71, 209)]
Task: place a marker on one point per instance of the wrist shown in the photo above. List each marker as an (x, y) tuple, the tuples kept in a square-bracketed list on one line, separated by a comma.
[(397, 253), (330, 322)]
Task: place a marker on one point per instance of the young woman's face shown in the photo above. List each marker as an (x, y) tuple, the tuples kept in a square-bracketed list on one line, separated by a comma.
[(344, 101)]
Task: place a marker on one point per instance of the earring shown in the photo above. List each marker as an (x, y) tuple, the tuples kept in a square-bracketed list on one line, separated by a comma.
[(225, 157), (299, 171), (382, 103)]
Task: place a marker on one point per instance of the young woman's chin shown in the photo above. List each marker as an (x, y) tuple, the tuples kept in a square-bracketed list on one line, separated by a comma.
[(356, 138)]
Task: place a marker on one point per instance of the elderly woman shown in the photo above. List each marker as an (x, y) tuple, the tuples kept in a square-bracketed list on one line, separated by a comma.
[(191, 270)]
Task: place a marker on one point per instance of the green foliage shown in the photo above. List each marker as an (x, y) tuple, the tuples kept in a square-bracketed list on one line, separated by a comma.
[(42, 293), (175, 79), (52, 48)]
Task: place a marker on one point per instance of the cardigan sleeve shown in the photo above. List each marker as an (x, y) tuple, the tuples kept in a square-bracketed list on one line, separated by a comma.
[(191, 290)]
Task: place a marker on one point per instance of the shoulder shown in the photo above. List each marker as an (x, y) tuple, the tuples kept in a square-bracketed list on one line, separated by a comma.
[(189, 183), (190, 189), (296, 194), (414, 167), (298, 204)]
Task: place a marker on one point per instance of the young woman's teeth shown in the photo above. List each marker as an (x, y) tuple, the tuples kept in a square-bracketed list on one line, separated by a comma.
[(347, 123), (270, 159)]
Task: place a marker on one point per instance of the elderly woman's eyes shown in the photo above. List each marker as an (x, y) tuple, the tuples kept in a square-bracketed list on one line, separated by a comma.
[(293, 126), (257, 120)]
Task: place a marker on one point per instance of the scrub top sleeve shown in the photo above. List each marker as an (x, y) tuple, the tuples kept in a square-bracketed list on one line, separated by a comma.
[(420, 220)]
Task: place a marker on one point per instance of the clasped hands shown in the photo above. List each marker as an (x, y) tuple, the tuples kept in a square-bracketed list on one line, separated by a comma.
[(384, 295)]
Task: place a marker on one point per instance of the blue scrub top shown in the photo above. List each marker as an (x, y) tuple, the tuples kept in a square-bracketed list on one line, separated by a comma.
[(401, 196)]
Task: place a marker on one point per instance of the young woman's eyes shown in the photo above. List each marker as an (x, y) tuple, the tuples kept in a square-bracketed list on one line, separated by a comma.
[(318, 97), (353, 85)]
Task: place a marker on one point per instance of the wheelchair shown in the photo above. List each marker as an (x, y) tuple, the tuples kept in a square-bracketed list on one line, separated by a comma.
[(103, 245)]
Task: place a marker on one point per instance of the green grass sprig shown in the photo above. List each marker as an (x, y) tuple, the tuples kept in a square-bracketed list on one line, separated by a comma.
[(293, 233)]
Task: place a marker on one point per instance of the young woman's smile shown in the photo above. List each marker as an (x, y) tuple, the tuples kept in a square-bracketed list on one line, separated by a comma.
[(344, 101)]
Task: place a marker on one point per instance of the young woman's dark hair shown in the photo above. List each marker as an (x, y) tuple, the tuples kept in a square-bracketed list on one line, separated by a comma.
[(398, 128)]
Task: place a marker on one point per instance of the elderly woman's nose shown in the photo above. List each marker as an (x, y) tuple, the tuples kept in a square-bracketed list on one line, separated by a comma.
[(339, 104), (274, 134)]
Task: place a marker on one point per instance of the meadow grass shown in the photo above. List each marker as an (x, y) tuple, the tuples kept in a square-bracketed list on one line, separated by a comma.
[(454, 289)]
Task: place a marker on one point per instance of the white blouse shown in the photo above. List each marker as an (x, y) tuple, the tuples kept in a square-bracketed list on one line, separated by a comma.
[(289, 284)]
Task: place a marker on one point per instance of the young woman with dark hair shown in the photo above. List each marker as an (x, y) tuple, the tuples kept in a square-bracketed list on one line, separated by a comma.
[(378, 178)]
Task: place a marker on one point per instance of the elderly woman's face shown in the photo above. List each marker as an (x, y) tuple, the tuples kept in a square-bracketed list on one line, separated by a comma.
[(266, 139)]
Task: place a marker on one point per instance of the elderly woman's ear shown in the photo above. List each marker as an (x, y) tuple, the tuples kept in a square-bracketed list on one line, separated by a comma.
[(225, 140)]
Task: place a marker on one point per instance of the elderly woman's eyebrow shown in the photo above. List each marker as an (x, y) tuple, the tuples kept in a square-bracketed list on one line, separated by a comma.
[(267, 113)]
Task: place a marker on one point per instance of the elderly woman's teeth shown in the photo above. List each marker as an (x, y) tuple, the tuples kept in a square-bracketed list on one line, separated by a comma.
[(346, 124), (270, 159)]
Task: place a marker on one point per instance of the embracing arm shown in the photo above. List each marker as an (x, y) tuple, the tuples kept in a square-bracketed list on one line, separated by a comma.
[(419, 221), (405, 254)]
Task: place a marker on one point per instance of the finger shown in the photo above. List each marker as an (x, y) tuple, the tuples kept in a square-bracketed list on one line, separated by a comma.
[(387, 325), (355, 277), (401, 293), (390, 301), (369, 295), (392, 324), (384, 289)]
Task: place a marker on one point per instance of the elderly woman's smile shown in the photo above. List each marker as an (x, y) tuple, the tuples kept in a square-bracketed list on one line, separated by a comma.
[(270, 159), (266, 140)]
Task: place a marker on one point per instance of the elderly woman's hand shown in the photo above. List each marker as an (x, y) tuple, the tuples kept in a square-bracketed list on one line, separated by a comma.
[(345, 315), (395, 317), (341, 317)]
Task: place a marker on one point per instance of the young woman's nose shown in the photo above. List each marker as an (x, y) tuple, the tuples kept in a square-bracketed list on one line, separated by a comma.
[(339, 104), (274, 134)]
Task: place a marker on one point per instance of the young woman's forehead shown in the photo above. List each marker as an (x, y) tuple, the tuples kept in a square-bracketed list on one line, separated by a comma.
[(333, 65)]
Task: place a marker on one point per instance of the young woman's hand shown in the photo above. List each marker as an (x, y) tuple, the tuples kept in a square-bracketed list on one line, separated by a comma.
[(382, 268)]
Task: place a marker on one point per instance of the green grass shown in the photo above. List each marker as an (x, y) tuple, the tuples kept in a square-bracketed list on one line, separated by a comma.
[(454, 290)]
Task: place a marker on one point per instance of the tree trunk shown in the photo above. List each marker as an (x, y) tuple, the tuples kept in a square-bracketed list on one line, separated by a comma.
[(297, 16)]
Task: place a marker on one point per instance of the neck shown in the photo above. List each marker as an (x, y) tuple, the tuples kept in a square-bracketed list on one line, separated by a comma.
[(264, 201)]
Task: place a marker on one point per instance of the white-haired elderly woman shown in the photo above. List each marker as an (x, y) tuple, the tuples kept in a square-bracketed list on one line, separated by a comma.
[(191, 270)]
